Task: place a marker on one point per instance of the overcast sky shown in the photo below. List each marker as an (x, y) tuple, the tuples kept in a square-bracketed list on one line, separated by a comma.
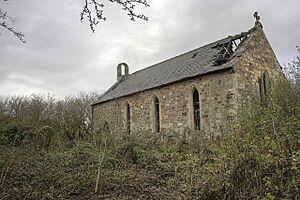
[(62, 56)]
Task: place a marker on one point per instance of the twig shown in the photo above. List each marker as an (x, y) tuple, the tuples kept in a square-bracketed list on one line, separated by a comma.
[(94, 11), (4, 19), (5, 171), (273, 124), (5, 197), (101, 158)]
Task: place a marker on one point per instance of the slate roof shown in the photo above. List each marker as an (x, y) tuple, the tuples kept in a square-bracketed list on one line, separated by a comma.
[(197, 62)]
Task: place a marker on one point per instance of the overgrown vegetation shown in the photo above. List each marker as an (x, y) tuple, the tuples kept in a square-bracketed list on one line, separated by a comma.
[(48, 151), (257, 158), (45, 120), (292, 69)]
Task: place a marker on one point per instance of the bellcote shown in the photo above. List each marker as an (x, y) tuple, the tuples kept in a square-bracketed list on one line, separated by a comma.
[(122, 70)]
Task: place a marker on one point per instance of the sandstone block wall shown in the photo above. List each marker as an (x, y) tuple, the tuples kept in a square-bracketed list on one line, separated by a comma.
[(216, 100), (257, 59), (220, 95)]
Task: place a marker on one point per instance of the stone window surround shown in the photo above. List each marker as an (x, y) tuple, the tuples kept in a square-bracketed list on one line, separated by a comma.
[(191, 120), (154, 114), (128, 117), (263, 82)]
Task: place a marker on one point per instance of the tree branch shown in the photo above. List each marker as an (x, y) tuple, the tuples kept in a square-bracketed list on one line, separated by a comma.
[(7, 23), (94, 11)]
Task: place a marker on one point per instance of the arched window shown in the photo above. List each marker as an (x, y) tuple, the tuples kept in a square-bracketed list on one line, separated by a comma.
[(128, 117), (105, 127), (196, 109), (156, 115), (264, 87)]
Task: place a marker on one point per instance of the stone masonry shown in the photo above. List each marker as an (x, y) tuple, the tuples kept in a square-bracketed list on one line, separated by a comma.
[(257, 59), (216, 98), (220, 94)]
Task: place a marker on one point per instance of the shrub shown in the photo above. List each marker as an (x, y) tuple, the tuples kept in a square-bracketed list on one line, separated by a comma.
[(262, 152)]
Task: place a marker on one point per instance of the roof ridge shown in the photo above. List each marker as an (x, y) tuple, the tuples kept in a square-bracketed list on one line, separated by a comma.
[(178, 56)]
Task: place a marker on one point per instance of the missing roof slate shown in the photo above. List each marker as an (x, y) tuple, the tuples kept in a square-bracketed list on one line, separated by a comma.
[(227, 48), (207, 59)]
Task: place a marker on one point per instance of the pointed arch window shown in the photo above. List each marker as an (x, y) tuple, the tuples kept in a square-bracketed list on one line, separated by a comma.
[(264, 87), (128, 118), (196, 109), (156, 115), (105, 126)]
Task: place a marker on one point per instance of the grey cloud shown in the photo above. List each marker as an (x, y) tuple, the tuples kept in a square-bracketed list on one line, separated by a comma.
[(62, 56)]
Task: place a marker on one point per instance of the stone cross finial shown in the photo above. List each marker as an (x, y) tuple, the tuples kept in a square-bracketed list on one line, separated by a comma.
[(257, 17), (257, 22)]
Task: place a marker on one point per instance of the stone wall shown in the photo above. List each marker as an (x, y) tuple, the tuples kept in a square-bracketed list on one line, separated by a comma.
[(257, 59), (216, 99), (220, 95)]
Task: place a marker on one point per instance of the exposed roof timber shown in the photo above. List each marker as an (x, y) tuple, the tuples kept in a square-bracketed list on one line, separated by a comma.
[(226, 48)]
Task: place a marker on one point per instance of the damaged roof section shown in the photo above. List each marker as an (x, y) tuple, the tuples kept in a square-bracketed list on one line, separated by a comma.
[(216, 56), (227, 49)]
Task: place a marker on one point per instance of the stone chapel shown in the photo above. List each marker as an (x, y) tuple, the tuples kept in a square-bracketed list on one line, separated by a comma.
[(196, 90)]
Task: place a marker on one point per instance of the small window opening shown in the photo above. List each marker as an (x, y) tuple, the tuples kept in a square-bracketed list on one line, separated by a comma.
[(196, 108), (156, 115)]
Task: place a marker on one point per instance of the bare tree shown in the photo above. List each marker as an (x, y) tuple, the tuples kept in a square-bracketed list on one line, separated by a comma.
[(7, 23), (93, 10)]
